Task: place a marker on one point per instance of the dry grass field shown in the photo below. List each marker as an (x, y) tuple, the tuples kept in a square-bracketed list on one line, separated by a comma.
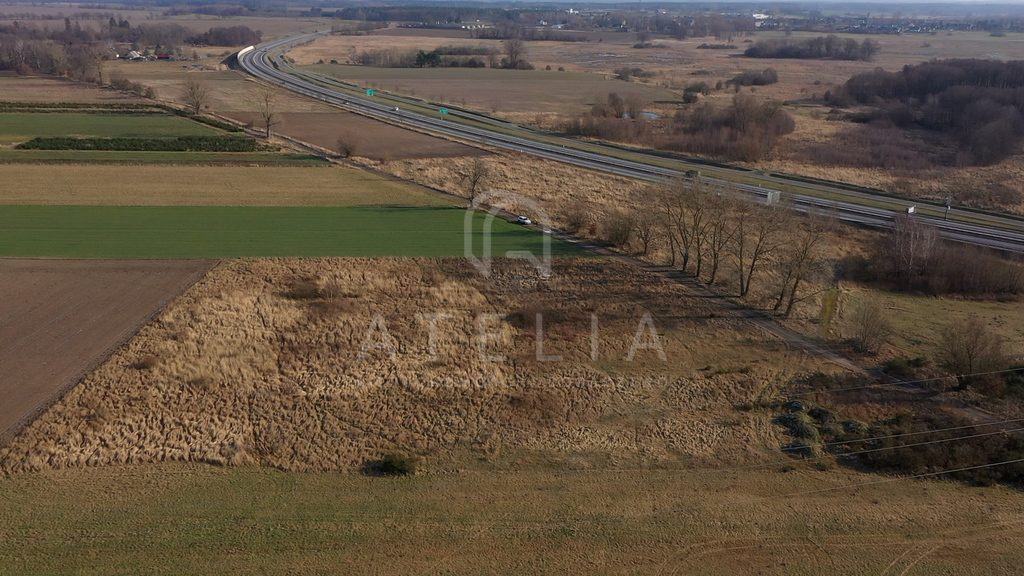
[(272, 26), (371, 138), (236, 371), (205, 186), (58, 318), (918, 321), (194, 519), (556, 186), (39, 89), (513, 93)]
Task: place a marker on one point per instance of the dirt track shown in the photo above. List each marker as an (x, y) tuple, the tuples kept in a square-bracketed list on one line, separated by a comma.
[(59, 318)]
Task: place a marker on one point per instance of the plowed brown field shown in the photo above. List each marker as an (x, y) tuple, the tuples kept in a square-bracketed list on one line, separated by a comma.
[(59, 318)]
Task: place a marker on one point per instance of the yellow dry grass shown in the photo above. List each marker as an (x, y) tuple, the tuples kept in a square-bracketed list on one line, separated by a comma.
[(556, 186), (238, 373), (35, 89), (204, 186)]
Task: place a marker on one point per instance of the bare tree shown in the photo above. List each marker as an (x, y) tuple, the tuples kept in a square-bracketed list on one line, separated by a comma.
[(196, 94), (720, 228), (911, 245), (643, 37), (871, 328), (695, 235), (968, 350), (266, 101), (346, 144), (477, 177), (99, 65), (515, 51), (575, 217), (617, 228), (635, 104), (800, 262), (758, 235), (679, 204), (645, 227)]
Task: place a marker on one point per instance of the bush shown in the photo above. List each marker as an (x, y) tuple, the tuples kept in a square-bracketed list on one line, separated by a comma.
[(616, 229), (748, 78), (303, 290), (395, 464)]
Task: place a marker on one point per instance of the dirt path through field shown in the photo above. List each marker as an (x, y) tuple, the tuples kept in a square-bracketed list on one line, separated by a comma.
[(60, 318)]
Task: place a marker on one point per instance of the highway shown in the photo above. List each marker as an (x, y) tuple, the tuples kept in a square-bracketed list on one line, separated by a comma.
[(985, 229)]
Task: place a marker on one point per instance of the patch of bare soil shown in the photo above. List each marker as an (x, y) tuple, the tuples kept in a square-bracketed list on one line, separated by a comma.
[(58, 318), (324, 364)]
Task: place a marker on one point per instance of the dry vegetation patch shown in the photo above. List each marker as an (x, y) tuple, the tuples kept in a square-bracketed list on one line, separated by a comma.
[(261, 363)]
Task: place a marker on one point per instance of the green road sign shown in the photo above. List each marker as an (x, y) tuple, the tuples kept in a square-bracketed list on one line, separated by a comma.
[(369, 92), (443, 110)]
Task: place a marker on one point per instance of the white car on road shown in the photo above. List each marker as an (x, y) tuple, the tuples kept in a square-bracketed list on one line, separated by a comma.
[(524, 220)]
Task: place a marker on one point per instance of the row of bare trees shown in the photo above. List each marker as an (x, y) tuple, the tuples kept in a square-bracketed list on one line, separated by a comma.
[(707, 230)]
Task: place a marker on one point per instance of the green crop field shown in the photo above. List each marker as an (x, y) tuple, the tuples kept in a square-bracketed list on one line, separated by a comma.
[(224, 232), (11, 156), (19, 126)]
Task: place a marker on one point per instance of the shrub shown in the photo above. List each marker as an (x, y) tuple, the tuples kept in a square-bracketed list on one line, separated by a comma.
[(303, 290), (898, 368), (147, 362), (395, 464), (616, 229)]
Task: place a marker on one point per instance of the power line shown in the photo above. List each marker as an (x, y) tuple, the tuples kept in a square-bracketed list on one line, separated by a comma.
[(902, 382)]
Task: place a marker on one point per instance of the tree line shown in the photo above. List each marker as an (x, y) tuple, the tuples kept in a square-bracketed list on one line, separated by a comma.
[(717, 233), (978, 103), (829, 47)]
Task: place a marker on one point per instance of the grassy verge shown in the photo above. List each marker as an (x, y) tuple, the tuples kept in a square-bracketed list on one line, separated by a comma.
[(222, 232), (189, 519)]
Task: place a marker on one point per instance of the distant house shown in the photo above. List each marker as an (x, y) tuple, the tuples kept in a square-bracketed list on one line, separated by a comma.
[(163, 56), (133, 55)]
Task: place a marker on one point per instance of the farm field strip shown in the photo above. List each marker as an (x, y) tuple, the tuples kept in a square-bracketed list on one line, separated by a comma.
[(177, 517), (224, 232), (20, 126), (9, 156), (160, 185), (58, 317)]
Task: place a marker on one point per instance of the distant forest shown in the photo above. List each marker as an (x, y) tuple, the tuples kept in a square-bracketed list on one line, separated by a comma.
[(823, 47), (980, 103)]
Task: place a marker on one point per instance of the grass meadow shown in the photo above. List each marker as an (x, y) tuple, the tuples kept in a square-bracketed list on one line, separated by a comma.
[(195, 519), (254, 231)]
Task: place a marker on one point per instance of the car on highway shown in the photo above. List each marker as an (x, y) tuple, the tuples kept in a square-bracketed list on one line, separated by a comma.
[(524, 220), (395, 109)]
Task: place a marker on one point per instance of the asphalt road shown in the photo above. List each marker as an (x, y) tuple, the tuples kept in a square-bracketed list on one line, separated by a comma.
[(985, 229)]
